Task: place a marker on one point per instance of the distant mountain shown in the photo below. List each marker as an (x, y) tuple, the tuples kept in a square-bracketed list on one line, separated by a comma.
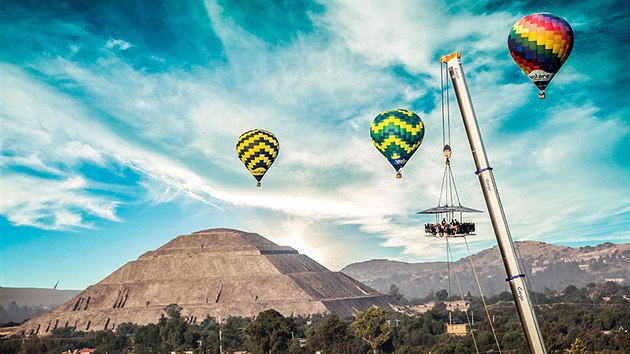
[(547, 267), (19, 304)]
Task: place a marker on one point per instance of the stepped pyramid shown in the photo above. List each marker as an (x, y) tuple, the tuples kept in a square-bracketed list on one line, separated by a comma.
[(216, 272)]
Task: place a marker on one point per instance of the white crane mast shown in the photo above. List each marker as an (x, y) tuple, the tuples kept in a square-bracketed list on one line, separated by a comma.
[(495, 208)]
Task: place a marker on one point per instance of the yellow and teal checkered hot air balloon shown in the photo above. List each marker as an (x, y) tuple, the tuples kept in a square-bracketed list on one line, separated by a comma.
[(257, 149), (397, 134)]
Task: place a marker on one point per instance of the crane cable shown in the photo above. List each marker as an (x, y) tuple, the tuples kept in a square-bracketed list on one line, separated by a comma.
[(442, 88), (448, 267), (447, 178), (461, 292), (446, 132), (485, 306)]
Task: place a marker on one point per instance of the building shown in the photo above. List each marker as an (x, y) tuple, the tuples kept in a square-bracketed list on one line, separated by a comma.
[(457, 329), (217, 273), (615, 280)]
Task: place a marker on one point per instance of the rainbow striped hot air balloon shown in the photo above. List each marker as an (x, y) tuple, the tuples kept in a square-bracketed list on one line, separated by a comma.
[(257, 149), (397, 134), (540, 43)]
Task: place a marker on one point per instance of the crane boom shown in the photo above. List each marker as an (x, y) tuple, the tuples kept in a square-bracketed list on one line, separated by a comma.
[(495, 208)]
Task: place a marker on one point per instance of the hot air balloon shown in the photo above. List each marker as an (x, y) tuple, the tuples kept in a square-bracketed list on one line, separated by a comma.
[(257, 149), (540, 43), (397, 134)]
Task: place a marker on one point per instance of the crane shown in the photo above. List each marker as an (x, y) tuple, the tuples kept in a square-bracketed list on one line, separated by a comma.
[(515, 277)]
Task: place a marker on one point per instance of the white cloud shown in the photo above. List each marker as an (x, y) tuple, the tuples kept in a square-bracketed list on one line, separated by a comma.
[(32, 161), (318, 94), (387, 33), (54, 134), (118, 44), (50, 203)]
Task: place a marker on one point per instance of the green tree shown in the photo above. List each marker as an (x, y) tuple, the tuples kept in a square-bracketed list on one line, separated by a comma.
[(176, 334), (441, 295), (233, 339), (146, 339), (578, 347), (208, 331), (126, 329), (395, 296), (332, 335), (35, 345), (372, 326), (173, 311), (270, 332), (108, 342)]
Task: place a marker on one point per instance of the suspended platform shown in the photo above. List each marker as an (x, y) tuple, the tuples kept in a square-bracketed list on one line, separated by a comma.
[(449, 226), (446, 224)]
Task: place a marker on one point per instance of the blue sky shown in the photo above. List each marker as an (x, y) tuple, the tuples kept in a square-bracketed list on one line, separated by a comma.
[(119, 122)]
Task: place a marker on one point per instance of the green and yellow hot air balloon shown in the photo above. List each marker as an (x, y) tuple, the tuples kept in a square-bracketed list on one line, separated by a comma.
[(257, 149), (397, 134)]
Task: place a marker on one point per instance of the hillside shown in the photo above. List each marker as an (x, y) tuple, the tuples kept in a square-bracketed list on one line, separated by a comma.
[(547, 266), (19, 304)]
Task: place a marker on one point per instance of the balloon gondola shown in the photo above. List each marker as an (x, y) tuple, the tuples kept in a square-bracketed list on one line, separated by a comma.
[(540, 43), (397, 134), (257, 149)]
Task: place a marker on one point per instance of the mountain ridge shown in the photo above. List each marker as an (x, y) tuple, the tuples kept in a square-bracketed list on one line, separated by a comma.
[(547, 267)]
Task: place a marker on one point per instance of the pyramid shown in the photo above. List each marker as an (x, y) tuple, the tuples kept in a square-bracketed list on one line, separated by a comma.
[(215, 272)]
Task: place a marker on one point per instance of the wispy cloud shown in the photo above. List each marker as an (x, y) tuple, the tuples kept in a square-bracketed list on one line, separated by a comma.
[(318, 93), (118, 44), (51, 203)]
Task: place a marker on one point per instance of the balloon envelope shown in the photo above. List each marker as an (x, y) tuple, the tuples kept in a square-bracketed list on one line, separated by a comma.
[(540, 43), (397, 134), (257, 149)]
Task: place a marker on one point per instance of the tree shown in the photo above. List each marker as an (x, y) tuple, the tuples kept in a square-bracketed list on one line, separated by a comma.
[(176, 334), (395, 295), (146, 339), (126, 329), (372, 326), (232, 339), (208, 335), (173, 311), (578, 347), (35, 345), (331, 335), (468, 296), (270, 332), (441, 295)]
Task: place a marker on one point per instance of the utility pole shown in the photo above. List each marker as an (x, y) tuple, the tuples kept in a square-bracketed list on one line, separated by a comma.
[(495, 208), (220, 337)]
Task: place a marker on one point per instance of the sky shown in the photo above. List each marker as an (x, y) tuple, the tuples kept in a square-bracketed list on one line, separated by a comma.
[(119, 119)]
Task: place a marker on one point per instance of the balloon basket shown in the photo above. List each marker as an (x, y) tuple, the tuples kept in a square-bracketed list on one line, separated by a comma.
[(258, 184), (399, 175)]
